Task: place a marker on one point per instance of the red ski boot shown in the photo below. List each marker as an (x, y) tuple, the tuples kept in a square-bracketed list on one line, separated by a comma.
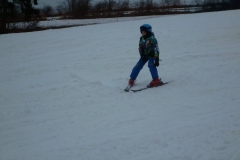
[(131, 82), (155, 82)]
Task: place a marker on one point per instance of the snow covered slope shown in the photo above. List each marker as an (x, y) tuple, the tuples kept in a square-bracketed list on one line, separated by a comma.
[(61, 93)]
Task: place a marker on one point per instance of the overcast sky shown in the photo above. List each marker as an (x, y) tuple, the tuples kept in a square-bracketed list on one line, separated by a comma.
[(54, 3)]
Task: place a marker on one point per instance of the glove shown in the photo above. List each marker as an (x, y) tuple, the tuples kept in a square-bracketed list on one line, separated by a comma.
[(156, 62)]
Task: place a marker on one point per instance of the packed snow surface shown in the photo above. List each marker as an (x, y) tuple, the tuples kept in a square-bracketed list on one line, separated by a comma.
[(62, 98)]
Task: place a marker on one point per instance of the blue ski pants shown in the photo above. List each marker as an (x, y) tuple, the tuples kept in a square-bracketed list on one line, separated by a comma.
[(138, 67)]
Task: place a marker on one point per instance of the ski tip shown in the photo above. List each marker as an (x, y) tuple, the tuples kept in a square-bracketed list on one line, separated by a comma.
[(127, 89)]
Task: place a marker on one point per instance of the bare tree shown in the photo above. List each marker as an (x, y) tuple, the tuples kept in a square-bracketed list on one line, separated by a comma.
[(176, 2), (101, 7), (168, 2), (111, 6), (199, 2), (82, 7), (149, 5), (47, 11), (67, 6), (122, 5), (75, 8), (140, 6)]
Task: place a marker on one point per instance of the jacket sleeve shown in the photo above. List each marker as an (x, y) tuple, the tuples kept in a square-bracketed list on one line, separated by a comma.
[(141, 47), (156, 49)]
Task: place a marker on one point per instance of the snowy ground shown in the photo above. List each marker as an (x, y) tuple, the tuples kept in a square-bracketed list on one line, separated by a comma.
[(61, 94)]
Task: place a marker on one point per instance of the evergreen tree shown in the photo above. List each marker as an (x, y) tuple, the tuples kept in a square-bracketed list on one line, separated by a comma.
[(27, 8), (8, 11)]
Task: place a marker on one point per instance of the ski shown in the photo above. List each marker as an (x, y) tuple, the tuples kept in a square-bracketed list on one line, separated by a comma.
[(137, 90), (127, 89)]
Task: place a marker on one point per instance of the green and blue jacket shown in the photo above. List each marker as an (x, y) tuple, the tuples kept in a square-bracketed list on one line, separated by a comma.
[(148, 46)]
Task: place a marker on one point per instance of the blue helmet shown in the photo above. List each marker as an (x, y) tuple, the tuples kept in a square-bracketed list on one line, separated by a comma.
[(146, 28)]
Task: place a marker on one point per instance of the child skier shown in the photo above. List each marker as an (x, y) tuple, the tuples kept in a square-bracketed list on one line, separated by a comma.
[(148, 49)]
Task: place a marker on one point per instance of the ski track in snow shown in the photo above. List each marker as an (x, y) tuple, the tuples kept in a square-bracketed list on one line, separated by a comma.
[(61, 94)]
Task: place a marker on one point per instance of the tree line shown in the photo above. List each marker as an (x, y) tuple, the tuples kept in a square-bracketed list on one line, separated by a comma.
[(111, 8), (26, 11), (214, 5)]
